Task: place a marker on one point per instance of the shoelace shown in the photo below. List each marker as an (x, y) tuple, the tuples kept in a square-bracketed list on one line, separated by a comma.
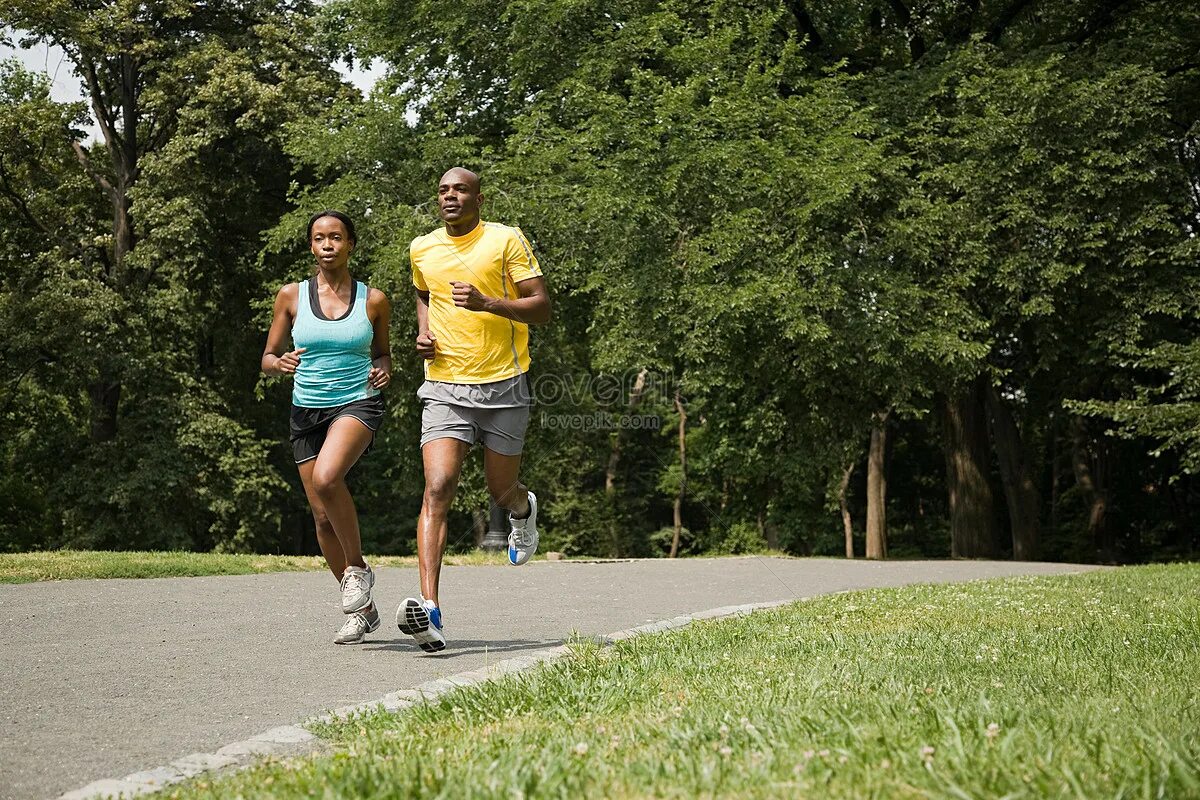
[(356, 622), (355, 582), (520, 533)]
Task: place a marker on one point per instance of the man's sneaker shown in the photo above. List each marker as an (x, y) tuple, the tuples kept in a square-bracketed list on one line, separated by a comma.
[(356, 589), (422, 620), (523, 541), (358, 625)]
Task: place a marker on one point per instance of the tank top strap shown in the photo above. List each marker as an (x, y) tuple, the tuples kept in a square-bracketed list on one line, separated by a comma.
[(360, 301), (303, 310)]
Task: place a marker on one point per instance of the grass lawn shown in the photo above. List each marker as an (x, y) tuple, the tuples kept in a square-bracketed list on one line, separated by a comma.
[(55, 565), (1079, 686)]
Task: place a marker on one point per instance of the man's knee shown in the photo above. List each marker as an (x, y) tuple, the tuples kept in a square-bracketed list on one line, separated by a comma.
[(439, 490)]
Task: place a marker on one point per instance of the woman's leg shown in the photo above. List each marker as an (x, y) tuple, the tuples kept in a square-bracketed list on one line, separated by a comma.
[(327, 540), (345, 442)]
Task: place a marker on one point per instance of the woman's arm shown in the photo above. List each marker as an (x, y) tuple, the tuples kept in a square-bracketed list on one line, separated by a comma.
[(276, 358), (379, 311)]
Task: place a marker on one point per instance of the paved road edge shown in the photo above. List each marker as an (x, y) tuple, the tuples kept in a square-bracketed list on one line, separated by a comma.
[(297, 740)]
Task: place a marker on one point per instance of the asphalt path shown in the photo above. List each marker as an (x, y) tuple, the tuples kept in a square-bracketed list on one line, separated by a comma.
[(102, 678)]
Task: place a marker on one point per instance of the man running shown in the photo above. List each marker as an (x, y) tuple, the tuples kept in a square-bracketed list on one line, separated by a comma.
[(479, 288)]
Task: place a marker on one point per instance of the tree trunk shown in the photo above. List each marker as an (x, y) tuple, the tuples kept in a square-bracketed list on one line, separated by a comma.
[(877, 487), (973, 526), (106, 398), (614, 454), (847, 526), (682, 475), (1024, 505), (1091, 470), (614, 459)]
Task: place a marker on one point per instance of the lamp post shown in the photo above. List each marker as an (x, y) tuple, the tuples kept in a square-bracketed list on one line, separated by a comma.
[(498, 528)]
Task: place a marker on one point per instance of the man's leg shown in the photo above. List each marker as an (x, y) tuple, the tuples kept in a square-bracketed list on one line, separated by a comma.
[(504, 484), (509, 493), (443, 460)]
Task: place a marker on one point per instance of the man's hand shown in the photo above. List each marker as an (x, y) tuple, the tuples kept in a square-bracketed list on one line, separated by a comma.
[(427, 345), (468, 297)]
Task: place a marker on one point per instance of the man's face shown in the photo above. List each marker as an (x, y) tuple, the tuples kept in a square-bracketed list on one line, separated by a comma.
[(459, 198)]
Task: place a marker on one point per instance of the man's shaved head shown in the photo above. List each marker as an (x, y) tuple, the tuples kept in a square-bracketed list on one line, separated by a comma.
[(461, 175), (459, 200)]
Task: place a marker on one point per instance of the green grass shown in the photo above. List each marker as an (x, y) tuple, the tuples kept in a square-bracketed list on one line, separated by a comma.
[(57, 565), (1077, 686)]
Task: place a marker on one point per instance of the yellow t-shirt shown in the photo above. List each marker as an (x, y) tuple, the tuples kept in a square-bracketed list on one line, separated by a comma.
[(474, 346)]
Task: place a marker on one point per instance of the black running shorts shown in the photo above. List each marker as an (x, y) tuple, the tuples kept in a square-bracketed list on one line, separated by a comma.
[(310, 425)]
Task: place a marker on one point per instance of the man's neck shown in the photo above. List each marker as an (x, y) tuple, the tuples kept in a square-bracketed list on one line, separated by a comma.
[(462, 228)]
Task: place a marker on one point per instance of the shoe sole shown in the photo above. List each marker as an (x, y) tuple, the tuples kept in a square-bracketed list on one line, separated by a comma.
[(370, 629), (413, 619)]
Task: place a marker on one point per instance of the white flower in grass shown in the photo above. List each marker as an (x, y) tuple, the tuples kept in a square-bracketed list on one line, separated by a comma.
[(927, 752), (581, 749), (723, 730), (726, 750), (885, 764), (843, 759), (993, 730), (808, 754)]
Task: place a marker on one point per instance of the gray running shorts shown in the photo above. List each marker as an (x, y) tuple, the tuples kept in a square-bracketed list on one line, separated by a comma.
[(496, 414)]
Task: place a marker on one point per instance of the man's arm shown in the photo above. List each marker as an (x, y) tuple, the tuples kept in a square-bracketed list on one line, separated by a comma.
[(426, 341), (532, 306)]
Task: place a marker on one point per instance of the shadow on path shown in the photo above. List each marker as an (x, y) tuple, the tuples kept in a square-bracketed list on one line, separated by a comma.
[(465, 647)]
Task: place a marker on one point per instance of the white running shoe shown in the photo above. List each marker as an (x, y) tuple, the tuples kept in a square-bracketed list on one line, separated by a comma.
[(523, 540), (356, 589), (358, 625), (422, 620)]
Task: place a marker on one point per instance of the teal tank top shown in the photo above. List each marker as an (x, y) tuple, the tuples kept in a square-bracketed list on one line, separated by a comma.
[(333, 370)]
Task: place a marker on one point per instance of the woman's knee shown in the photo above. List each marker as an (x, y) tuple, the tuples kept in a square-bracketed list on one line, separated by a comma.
[(326, 481)]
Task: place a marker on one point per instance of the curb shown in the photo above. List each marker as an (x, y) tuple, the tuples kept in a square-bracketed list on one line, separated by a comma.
[(296, 740)]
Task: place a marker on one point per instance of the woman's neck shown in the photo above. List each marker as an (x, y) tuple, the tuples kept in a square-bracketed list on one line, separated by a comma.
[(337, 278)]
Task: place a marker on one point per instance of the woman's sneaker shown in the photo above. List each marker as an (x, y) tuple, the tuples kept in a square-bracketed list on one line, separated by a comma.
[(422, 620), (523, 541), (358, 625), (356, 589)]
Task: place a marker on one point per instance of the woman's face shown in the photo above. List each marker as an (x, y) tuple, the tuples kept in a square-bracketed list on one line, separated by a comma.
[(330, 243)]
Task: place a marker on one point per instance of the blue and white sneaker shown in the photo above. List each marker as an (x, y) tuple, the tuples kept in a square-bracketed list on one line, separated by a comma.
[(523, 540), (422, 620)]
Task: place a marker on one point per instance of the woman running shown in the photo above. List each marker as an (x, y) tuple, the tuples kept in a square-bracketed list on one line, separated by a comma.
[(340, 360)]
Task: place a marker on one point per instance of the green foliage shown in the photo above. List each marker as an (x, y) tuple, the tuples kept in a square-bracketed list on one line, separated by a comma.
[(795, 218)]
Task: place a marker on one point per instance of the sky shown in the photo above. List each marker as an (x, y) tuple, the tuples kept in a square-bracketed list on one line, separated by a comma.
[(67, 87)]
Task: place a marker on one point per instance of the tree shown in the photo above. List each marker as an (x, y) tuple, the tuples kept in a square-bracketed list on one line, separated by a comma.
[(190, 101)]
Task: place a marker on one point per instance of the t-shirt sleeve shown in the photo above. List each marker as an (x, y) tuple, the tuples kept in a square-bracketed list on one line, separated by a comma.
[(519, 261), (417, 278)]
